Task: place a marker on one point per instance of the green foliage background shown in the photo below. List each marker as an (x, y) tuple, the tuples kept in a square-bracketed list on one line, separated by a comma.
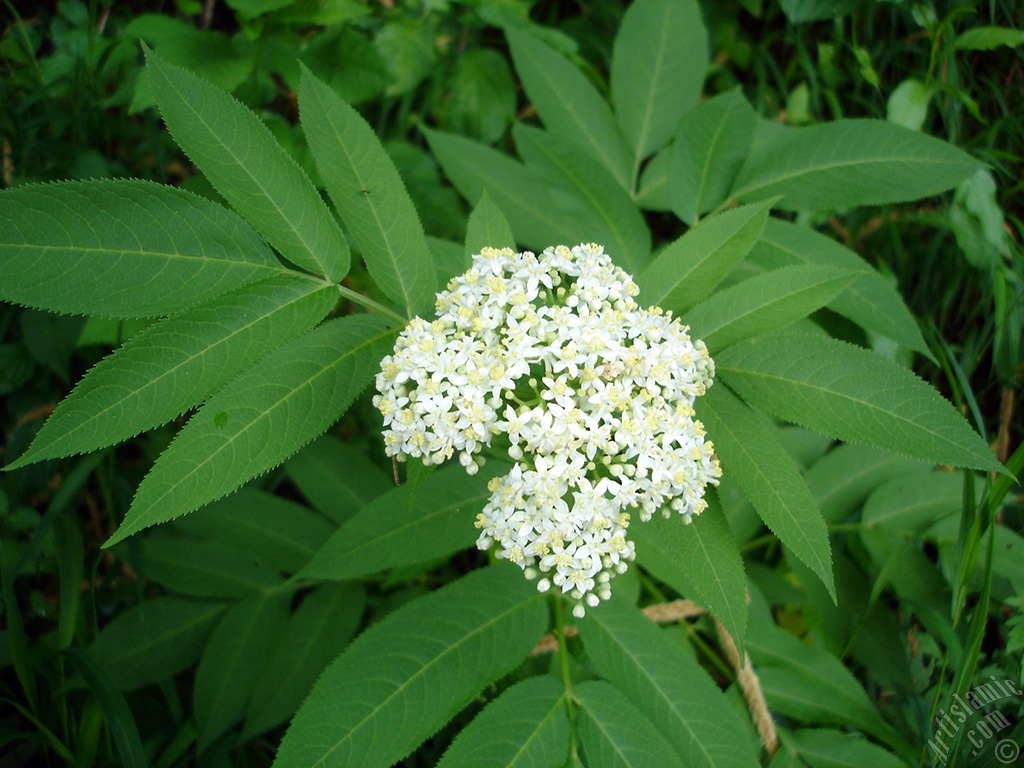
[(205, 559)]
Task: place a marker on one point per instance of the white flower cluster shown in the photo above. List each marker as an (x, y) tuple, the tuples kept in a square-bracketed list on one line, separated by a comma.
[(551, 360)]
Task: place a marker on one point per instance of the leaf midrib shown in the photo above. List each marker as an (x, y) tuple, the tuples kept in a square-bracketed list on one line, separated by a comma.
[(775, 494), (153, 382), (385, 236), (273, 406), (422, 670), (833, 166), (239, 164)]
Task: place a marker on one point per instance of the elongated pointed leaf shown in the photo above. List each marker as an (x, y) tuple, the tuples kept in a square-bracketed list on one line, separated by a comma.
[(764, 303), (261, 418), (408, 674), (233, 660), (569, 104), (278, 531), (473, 167), (705, 555), (487, 228), (370, 196), (852, 394), (847, 475), (240, 157), (827, 748), (205, 568), (122, 248), (851, 162), (668, 687), (907, 505), (408, 525), (313, 637), (614, 734), (870, 300), (154, 639), (173, 365), (686, 271), (336, 478), (593, 207), (709, 149), (526, 726), (751, 454), (658, 67)]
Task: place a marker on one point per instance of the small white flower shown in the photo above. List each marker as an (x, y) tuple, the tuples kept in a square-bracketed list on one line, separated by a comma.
[(589, 394)]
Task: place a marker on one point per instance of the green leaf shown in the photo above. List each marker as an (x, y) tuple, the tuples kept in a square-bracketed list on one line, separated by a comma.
[(798, 11), (852, 394), (709, 149), (240, 157), (313, 637), (278, 531), (668, 687), (487, 228), (806, 683), (205, 568), (826, 748), (870, 300), (120, 721), (369, 195), (847, 475), (526, 726), (569, 105), (907, 505), (658, 66), (988, 38), (155, 639), (408, 525), (850, 162), (473, 167), (764, 303), (173, 365), (686, 271), (122, 248), (592, 206), (481, 95), (654, 193), (70, 553), (751, 454), (706, 557), (233, 661), (614, 734), (336, 478), (411, 672), (261, 418)]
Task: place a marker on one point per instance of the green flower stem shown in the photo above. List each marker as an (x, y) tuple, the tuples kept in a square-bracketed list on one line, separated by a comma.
[(563, 657), (366, 301)]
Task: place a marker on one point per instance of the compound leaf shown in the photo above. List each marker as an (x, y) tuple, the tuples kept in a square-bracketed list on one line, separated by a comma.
[(569, 104), (261, 418), (173, 365), (243, 161), (412, 671)]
